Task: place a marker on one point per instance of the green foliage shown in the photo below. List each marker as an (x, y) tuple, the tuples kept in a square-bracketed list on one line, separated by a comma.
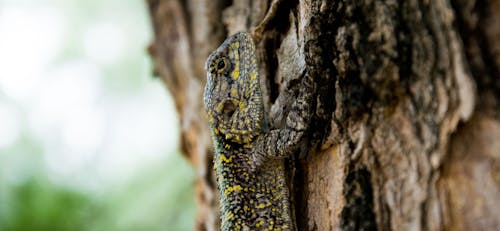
[(159, 198), (37, 204)]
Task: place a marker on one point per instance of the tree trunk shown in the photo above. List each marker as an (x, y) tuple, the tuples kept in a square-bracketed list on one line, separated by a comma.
[(406, 129)]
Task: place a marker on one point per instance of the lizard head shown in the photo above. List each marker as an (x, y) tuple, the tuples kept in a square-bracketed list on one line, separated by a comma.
[(233, 99)]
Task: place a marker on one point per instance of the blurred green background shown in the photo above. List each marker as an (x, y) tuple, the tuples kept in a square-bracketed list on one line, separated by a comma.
[(88, 138)]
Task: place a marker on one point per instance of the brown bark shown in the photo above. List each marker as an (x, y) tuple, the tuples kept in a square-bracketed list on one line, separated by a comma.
[(406, 130)]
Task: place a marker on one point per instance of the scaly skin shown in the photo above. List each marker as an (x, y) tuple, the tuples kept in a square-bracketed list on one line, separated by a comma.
[(249, 159)]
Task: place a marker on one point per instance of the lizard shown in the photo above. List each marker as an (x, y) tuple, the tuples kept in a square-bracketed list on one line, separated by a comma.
[(249, 157)]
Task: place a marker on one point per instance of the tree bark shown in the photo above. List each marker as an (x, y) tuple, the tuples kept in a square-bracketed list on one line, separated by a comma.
[(406, 129)]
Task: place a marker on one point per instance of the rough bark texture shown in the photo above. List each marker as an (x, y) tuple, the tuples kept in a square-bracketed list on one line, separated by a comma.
[(406, 131)]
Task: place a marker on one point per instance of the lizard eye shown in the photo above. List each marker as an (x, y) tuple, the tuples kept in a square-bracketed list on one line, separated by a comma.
[(220, 66)]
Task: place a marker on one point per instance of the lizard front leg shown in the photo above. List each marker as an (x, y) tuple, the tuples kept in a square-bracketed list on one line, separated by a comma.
[(282, 143)]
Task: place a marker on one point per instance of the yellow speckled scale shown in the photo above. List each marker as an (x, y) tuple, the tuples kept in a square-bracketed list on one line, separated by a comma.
[(251, 199)]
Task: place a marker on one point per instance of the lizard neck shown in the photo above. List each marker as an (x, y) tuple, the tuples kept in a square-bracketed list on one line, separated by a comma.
[(254, 200)]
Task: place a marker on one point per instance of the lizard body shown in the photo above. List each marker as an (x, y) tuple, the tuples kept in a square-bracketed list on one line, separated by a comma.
[(249, 158)]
